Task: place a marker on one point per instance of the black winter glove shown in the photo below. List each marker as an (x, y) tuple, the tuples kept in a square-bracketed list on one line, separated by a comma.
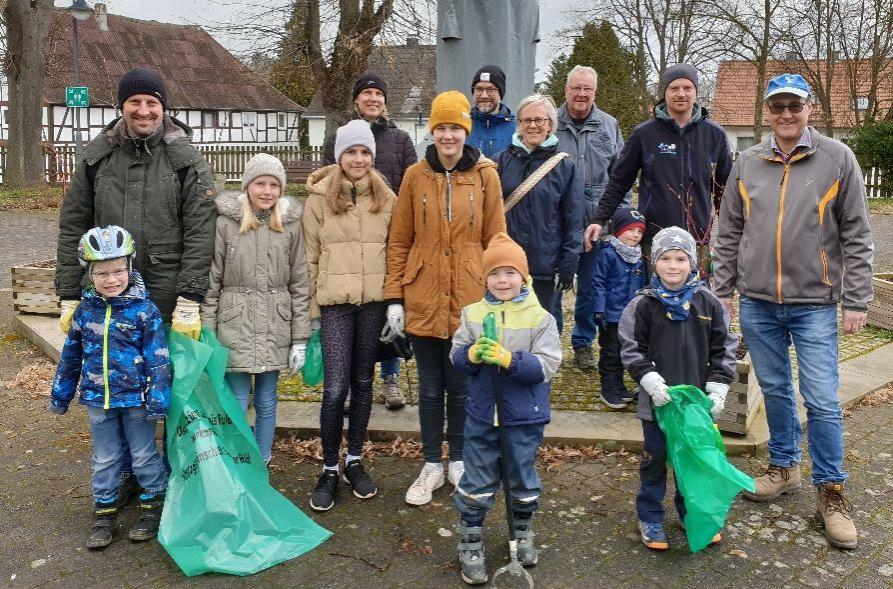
[(565, 280), (600, 321)]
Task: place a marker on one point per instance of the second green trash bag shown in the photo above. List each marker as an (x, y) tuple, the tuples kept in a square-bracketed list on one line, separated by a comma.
[(220, 513), (706, 479), (312, 372)]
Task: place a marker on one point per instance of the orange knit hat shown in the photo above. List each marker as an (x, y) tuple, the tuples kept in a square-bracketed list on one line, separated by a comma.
[(450, 108), (503, 251)]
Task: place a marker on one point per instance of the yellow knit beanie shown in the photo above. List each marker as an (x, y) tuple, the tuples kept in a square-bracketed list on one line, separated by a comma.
[(450, 108)]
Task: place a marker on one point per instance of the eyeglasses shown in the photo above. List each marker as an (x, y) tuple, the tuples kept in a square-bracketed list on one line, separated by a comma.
[(777, 108), (488, 91), (538, 121), (118, 274), (582, 89)]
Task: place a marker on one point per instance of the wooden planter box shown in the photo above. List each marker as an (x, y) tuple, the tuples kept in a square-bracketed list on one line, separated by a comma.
[(33, 290), (743, 401), (880, 310)]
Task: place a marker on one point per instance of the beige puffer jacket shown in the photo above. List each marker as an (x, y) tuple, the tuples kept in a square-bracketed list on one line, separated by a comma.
[(258, 300), (346, 254)]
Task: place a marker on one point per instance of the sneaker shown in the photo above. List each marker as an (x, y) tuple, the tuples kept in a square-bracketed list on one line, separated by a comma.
[(361, 483), (430, 479), (776, 481), (584, 359), (323, 498), (528, 555), (146, 527), (717, 538), (471, 555), (653, 535), (455, 472), (833, 511), (105, 521), (393, 397), (631, 396), (612, 394), (128, 487)]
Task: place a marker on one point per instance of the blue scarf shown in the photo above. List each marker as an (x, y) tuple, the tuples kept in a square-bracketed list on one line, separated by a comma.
[(521, 296), (677, 302)]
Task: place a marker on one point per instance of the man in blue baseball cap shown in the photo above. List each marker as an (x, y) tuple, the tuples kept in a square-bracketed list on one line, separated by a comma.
[(794, 240)]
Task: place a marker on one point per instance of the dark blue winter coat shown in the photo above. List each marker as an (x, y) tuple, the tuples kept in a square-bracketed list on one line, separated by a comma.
[(615, 282), (548, 222), (683, 171), (116, 350), (491, 133)]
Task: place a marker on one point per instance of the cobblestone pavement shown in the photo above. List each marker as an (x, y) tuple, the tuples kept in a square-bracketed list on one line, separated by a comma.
[(26, 237)]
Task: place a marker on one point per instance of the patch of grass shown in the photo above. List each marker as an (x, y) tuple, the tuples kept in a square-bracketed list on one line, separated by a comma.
[(31, 199), (880, 206)]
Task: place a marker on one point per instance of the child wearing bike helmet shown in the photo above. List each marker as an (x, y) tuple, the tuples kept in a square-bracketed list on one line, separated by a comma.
[(117, 353)]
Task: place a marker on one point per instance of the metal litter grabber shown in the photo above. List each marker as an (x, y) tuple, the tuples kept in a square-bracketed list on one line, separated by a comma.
[(518, 573)]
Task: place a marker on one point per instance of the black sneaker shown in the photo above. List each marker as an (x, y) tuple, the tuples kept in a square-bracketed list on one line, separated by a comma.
[(128, 487), (146, 527), (323, 498), (359, 481), (105, 520)]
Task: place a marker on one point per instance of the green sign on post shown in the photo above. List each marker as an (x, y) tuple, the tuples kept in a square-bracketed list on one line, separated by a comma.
[(77, 96)]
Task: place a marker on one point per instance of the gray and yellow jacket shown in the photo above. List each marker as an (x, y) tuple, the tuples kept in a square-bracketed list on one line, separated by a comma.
[(796, 232), (161, 190)]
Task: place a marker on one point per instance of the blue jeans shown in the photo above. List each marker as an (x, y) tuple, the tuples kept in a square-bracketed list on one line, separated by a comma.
[(476, 493), (107, 426), (584, 315), (265, 389), (390, 367), (769, 329), (653, 477)]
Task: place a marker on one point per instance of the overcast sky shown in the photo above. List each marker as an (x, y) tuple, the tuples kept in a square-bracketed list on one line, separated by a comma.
[(211, 12)]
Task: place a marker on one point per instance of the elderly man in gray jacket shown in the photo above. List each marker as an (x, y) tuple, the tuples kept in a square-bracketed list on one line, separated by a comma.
[(592, 138), (794, 240)]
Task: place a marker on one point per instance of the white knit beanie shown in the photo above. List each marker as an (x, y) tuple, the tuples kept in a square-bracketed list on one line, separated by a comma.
[(356, 132), (263, 164)]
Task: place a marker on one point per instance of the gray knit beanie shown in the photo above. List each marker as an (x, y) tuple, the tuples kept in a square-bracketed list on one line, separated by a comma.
[(356, 132), (674, 238), (680, 70), (263, 164)]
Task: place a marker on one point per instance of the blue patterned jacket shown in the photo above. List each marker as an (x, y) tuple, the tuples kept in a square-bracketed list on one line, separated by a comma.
[(117, 351)]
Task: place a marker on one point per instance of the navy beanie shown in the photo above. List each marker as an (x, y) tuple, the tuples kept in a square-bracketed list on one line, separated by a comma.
[(680, 70), (141, 81), (492, 74), (370, 80), (626, 218)]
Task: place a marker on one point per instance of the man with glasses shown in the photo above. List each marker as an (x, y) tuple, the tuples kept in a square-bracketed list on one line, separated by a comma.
[(492, 123), (593, 140), (794, 240), (682, 160)]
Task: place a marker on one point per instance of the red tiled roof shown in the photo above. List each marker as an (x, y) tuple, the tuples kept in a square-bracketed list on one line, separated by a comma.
[(198, 72), (733, 97)]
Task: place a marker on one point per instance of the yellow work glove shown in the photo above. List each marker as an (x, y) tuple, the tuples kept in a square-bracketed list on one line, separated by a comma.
[(185, 318), (476, 351), (497, 354), (68, 309)]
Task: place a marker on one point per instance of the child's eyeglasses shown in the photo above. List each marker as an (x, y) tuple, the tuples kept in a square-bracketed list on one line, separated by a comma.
[(777, 108), (118, 274)]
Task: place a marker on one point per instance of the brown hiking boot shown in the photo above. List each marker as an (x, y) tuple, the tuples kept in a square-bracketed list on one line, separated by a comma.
[(776, 481), (584, 359), (393, 397), (832, 509)]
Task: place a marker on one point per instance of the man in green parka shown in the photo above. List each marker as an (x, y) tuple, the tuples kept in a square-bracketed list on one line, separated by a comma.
[(142, 173)]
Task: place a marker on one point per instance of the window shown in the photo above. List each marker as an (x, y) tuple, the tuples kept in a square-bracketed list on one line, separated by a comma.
[(209, 119), (282, 120), (249, 119), (860, 103), (745, 143)]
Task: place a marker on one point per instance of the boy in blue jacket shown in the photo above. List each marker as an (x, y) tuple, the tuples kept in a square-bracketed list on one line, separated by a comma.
[(526, 356), (619, 273), (117, 353)]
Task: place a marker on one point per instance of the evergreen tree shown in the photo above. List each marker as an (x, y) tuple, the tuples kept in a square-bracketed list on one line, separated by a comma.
[(290, 71)]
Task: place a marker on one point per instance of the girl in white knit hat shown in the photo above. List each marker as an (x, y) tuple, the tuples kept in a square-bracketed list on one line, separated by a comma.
[(258, 301), (346, 225)]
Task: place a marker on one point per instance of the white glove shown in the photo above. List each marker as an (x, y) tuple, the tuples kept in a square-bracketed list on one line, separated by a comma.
[(716, 392), (296, 357), (655, 385), (185, 318), (396, 319), (68, 308), (314, 325)]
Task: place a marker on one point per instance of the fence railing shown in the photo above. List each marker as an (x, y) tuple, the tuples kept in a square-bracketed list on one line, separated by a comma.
[(229, 160), (876, 185)]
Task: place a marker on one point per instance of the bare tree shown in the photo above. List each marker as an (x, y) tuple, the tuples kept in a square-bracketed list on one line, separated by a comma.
[(27, 23)]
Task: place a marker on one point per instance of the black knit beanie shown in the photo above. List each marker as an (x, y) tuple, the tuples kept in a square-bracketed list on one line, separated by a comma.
[(370, 80), (492, 74), (141, 81)]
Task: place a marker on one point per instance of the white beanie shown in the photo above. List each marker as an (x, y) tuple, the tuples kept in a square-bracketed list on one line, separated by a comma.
[(263, 164), (356, 132)]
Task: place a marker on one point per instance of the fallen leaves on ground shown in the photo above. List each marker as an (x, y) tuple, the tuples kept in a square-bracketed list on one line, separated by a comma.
[(35, 379), (878, 397)]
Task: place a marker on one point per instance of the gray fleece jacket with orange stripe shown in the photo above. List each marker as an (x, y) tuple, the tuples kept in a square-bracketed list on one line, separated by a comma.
[(796, 232)]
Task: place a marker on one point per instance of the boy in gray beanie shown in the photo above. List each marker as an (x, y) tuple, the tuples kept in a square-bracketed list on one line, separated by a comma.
[(355, 132)]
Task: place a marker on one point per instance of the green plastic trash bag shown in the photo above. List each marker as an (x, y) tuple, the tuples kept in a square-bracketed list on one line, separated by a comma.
[(221, 514), (312, 372), (706, 479)]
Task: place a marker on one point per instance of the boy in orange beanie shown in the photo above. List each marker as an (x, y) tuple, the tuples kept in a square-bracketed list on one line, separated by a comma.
[(526, 356)]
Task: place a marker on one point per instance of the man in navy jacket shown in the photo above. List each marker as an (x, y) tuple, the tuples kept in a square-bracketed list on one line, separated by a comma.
[(492, 123)]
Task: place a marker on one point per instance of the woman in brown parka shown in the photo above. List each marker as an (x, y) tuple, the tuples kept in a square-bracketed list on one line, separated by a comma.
[(346, 228), (449, 207), (257, 302)]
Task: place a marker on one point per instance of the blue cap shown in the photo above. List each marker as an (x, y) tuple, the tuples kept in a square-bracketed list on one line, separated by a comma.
[(788, 84)]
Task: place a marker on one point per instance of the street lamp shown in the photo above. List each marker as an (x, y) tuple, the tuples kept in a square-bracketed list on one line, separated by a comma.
[(79, 10)]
